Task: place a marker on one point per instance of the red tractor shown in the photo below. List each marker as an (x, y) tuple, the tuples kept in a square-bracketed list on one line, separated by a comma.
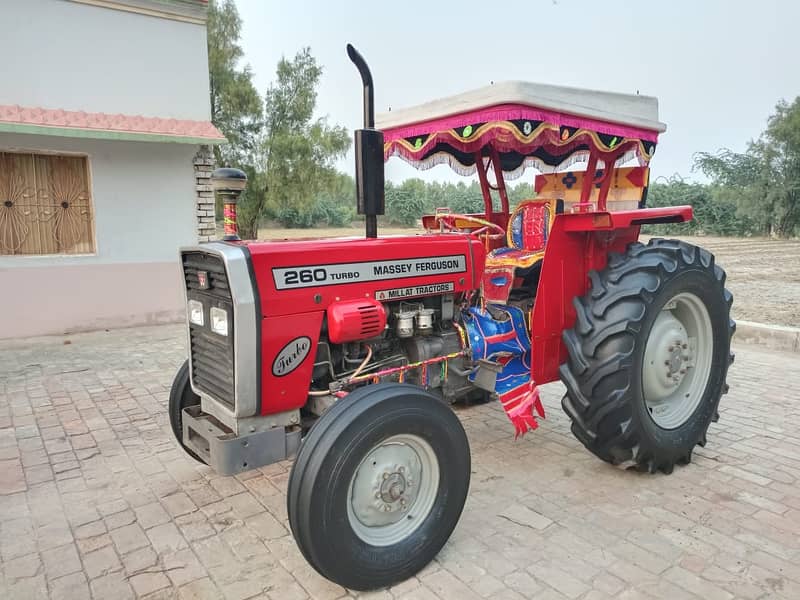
[(347, 352)]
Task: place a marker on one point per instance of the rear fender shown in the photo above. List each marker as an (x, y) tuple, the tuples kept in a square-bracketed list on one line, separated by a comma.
[(579, 243), (606, 221)]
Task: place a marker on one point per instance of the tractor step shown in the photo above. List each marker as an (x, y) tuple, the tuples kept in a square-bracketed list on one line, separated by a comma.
[(228, 453)]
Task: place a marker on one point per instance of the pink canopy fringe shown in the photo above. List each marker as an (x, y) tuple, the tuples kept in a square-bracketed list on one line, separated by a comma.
[(510, 112)]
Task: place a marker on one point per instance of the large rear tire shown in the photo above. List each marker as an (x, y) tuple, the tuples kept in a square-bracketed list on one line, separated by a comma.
[(378, 485), (181, 396), (648, 355)]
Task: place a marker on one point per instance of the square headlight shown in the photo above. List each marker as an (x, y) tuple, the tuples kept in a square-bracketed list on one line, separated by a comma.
[(195, 312), (219, 320)]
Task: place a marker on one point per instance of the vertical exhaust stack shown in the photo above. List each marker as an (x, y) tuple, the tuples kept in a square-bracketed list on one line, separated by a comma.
[(369, 153), (229, 184)]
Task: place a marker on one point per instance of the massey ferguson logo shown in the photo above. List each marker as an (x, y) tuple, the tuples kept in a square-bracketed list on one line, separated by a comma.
[(202, 279), (291, 356)]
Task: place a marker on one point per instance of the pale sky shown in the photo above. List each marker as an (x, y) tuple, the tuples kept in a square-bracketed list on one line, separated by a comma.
[(717, 67)]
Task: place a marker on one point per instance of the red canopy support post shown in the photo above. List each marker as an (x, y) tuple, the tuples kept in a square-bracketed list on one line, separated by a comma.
[(498, 178), (485, 187), (610, 162), (588, 183), (605, 185)]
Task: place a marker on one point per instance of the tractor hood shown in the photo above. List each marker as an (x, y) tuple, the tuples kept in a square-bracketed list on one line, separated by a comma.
[(301, 276)]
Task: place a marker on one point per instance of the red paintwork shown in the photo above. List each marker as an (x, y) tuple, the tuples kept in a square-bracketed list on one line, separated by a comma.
[(638, 176), (579, 243), (288, 314), (588, 182), (500, 183), (279, 394), (485, 187), (297, 253), (353, 320), (625, 218)]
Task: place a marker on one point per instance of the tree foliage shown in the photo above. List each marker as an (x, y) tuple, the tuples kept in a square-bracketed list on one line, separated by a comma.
[(299, 151), (405, 203), (713, 214), (763, 183), (236, 107), (408, 201), (336, 206), (289, 157)]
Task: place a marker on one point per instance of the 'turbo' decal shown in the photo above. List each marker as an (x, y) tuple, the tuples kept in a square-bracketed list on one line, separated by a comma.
[(291, 356)]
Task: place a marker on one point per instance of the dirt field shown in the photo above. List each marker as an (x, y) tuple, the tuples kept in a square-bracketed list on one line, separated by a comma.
[(764, 275)]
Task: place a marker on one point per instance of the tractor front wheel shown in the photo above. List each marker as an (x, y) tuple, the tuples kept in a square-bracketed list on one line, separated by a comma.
[(181, 396), (648, 355), (378, 485)]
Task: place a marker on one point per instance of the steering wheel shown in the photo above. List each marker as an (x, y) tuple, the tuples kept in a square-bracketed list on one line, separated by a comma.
[(448, 220)]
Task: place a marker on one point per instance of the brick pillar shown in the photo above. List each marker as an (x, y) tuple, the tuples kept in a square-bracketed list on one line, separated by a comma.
[(203, 165)]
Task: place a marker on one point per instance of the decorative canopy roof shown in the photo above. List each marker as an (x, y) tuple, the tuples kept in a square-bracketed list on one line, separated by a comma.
[(528, 124), (68, 123)]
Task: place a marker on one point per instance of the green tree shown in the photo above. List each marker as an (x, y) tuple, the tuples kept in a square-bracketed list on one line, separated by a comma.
[(518, 193), (235, 103), (408, 201), (298, 151), (405, 203), (336, 205), (763, 182), (464, 199), (714, 211)]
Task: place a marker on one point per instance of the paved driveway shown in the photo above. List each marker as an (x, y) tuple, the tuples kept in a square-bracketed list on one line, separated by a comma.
[(97, 501)]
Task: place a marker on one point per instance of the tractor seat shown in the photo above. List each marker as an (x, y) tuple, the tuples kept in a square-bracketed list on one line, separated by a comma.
[(528, 229)]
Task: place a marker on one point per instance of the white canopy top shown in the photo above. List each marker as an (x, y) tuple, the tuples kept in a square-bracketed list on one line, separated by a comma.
[(625, 109)]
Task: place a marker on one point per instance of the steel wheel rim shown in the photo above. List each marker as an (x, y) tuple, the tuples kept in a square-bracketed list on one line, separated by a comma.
[(393, 490), (677, 361)]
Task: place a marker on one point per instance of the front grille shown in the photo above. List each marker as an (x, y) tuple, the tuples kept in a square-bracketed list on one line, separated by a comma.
[(212, 265), (210, 354)]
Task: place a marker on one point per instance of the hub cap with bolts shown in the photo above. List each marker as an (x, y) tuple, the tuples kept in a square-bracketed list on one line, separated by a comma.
[(677, 361), (393, 490)]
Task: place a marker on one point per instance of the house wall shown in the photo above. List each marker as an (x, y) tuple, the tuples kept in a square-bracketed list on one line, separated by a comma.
[(73, 56), (145, 202)]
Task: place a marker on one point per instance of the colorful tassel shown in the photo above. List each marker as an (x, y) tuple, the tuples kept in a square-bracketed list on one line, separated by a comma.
[(520, 404)]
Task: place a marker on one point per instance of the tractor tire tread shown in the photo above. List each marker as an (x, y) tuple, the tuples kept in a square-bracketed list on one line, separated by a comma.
[(615, 305), (334, 426), (181, 395)]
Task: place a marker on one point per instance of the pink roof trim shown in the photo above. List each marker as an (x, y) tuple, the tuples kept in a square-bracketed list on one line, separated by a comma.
[(47, 117), (509, 112)]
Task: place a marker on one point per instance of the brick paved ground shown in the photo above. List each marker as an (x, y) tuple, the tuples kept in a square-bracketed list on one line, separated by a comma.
[(97, 501)]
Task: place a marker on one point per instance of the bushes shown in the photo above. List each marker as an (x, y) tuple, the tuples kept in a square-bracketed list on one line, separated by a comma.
[(403, 206), (324, 212), (408, 201), (716, 211)]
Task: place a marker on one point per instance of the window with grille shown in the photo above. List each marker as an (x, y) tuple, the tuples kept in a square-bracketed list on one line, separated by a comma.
[(45, 205)]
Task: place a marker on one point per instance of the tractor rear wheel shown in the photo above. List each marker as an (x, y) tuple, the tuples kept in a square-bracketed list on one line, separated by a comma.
[(648, 355), (378, 485), (181, 396)]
